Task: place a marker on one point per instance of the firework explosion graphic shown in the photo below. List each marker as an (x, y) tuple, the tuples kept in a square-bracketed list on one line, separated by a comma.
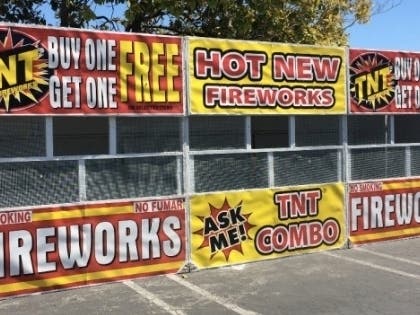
[(23, 71), (225, 229), (372, 81)]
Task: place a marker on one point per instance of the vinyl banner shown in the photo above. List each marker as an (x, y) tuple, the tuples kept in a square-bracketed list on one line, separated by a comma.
[(384, 210), (384, 82), (247, 77), (236, 227), (54, 71), (53, 248)]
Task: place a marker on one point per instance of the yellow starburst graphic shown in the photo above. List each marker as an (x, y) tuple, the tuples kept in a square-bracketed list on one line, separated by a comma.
[(372, 81), (225, 229), (23, 71)]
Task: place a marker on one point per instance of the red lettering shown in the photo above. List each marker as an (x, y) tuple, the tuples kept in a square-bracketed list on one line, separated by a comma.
[(298, 203), (305, 68), (207, 65), (232, 64), (295, 236)]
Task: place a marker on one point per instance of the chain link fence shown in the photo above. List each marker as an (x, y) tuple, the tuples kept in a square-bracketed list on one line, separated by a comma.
[(56, 160)]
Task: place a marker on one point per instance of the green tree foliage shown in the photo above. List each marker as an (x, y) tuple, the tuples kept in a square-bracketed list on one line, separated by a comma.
[(67, 13), (22, 11), (295, 21), (85, 13), (322, 22), (72, 13)]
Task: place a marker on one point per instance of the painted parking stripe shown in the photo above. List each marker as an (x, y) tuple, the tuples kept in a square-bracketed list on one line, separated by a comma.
[(153, 298), (404, 260), (374, 266), (219, 300)]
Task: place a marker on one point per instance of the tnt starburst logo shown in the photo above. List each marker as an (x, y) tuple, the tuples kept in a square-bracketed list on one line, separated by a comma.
[(225, 229), (24, 71), (372, 81)]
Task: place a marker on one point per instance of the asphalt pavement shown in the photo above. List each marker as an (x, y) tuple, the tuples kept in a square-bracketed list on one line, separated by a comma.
[(376, 279)]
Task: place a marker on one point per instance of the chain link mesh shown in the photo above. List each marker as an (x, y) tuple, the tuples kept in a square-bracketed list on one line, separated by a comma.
[(148, 134), (270, 131), (407, 129), (366, 129), (230, 171), (38, 183), (22, 136), (80, 135), (57, 181), (214, 132), (317, 130), (415, 161), (305, 167), (131, 177), (374, 163)]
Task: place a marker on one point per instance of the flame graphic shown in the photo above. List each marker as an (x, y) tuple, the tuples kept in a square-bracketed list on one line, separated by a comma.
[(214, 211), (364, 65), (39, 72)]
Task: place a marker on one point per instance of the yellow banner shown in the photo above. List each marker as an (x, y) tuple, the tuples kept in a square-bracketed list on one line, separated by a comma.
[(244, 226), (255, 78)]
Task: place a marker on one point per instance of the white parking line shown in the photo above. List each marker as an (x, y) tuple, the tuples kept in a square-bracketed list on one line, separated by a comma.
[(219, 300), (404, 260), (153, 298), (375, 266)]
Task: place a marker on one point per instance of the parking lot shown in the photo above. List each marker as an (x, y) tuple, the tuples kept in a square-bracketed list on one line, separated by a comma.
[(382, 278)]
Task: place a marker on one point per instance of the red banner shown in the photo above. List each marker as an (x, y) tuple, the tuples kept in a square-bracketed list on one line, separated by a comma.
[(384, 210), (53, 248), (54, 71), (384, 82)]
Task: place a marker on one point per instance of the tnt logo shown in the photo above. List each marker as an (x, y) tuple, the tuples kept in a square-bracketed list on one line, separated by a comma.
[(23, 70), (372, 81)]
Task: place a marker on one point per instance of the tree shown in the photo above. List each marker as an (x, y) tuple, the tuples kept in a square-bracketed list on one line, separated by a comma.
[(22, 11), (322, 22), (81, 13), (72, 13), (68, 13)]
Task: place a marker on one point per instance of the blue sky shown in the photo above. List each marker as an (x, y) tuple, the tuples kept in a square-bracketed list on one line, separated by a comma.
[(397, 29)]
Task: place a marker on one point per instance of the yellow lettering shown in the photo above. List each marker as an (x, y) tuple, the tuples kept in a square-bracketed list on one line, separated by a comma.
[(152, 71), (172, 71), (359, 84), (158, 72), (126, 68), (8, 73), (28, 58), (141, 72)]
